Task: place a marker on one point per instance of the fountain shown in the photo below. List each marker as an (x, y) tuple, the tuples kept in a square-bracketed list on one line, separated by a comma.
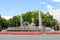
[(41, 27), (40, 22), (21, 21), (28, 27)]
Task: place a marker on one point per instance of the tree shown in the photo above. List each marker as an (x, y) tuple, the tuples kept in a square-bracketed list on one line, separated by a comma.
[(3, 23), (46, 19), (27, 17), (14, 22)]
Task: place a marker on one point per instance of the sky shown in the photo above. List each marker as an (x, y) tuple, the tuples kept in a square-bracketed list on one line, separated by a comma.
[(9, 8)]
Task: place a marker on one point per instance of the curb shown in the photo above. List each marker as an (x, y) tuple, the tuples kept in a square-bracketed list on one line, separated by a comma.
[(28, 33), (22, 33), (52, 32)]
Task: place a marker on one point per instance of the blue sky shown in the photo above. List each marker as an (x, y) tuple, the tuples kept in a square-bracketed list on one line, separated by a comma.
[(9, 8), (15, 7)]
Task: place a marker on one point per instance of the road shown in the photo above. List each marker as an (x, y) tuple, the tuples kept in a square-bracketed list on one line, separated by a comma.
[(31, 37)]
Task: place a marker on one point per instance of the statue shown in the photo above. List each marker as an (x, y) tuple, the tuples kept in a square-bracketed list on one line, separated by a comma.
[(28, 26), (32, 24)]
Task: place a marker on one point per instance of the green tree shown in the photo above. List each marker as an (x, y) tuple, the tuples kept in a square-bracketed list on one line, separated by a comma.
[(3, 23), (14, 22), (46, 19)]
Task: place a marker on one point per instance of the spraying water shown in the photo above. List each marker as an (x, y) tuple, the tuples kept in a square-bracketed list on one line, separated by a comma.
[(40, 20), (21, 21)]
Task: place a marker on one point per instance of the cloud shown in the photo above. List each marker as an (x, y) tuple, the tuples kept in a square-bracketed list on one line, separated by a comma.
[(56, 0), (49, 7), (56, 14), (7, 17), (42, 2)]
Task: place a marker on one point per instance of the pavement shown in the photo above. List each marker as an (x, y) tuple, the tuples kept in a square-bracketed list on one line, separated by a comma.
[(31, 37)]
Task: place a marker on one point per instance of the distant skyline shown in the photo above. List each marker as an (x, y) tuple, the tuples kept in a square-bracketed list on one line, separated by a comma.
[(16, 7)]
